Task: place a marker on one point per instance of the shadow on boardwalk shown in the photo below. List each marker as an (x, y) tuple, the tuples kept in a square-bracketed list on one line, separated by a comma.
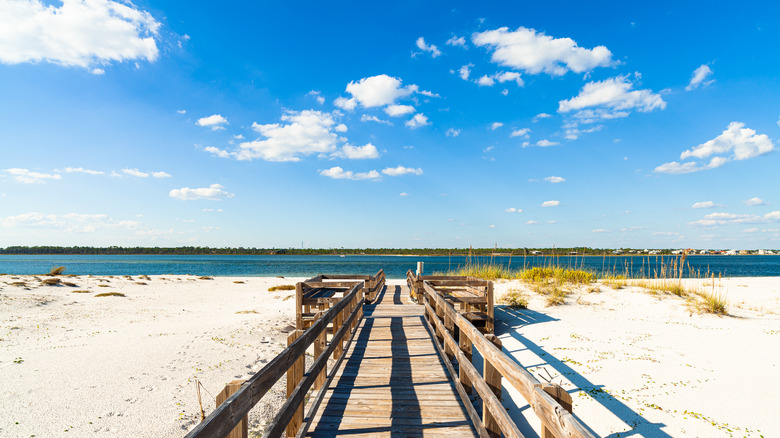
[(510, 321)]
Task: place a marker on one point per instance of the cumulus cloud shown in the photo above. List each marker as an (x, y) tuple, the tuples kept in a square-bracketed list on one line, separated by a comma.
[(752, 202), (357, 152), (546, 143), (551, 203), (699, 78), (399, 110), (735, 143), (496, 125), (367, 118), (705, 204), (217, 151), (521, 132), (555, 179), (161, 174), (339, 173), (403, 194), (465, 71), (83, 170), (215, 122), (27, 176), (305, 133), (375, 91), (317, 95), (514, 210), (138, 173), (457, 41), (452, 132), (401, 170), (534, 52), (213, 192), (78, 33), (541, 116), (419, 120), (430, 48), (714, 219), (609, 99), (486, 81)]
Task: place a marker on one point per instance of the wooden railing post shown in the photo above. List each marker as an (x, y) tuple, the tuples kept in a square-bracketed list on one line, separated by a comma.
[(449, 324), (336, 326), (299, 306), (319, 346), (465, 347), (562, 397), (490, 322), (493, 379), (295, 375), (240, 430)]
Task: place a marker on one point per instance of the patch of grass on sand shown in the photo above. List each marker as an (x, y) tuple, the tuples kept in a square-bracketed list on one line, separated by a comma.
[(712, 302), (50, 281), (516, 299), (81, 291), (19, 283), (561, 275), (282, 287), (673, 287), (205, 277), (485, 272), (103, 285), (110, 294), (140, 283), (246, 312), (553, 292), (69, 284), (238, 282), (287, 297), (57, 270), (615, 281)]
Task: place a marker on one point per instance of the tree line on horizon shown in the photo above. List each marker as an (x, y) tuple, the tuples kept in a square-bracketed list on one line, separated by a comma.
[(204, 250)]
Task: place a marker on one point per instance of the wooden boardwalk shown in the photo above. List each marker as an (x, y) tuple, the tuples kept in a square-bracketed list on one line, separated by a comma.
[(392, 381)]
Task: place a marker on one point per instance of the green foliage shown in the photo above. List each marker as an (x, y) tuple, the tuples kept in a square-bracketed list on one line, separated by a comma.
[(516, 299), (713, 303)]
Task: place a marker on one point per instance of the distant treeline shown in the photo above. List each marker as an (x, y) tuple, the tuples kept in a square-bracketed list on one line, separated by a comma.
[(200, 250)]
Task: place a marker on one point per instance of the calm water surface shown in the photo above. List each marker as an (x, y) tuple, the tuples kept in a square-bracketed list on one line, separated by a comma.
[(394, 266)]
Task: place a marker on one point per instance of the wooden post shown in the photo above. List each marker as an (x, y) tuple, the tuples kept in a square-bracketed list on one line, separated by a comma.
[(319, 346), (295, 375), (465, 347), (449, 324), (493, 379), (490, 322), (241, 428), (336, 326), (439, 314), (299, 306), (562, 397), (420, 266)]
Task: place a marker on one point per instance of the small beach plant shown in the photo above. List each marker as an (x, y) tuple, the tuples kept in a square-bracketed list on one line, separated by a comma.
[(516, 299), (110, 294), (281, 287), (57, 270)]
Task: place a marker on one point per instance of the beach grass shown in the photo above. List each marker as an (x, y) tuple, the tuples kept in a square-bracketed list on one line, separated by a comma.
[(110, 294), (57, 270), (282, 287), (516, 299), (712, 302), (50, 281)]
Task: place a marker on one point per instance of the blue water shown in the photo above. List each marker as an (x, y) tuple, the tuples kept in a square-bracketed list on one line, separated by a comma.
[(394, 266)]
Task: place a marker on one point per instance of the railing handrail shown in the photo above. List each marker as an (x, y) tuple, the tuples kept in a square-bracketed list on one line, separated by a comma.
[(227, 415), (549, 411)]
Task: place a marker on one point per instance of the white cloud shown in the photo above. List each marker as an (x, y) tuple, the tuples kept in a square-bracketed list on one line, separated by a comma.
[(214, 121), (778, 121), (317, 95), (135, 172), (699, 78), (485, 81), (367, 118), (509, 76), (214, 192), (754, 201), (496, 125), (521, 132), (572, 132), (526, 144), (705, 204), (457, 41), (505, 92), (434, 51), (541, 116), (525, 49), (339, 173), (357, 152), (735, 143), (600, 230), (375, 91), (403, 194), (70, 222), (398, 110), (78, 33), (609, 99), (307, 132), (555, 179), (97, 71), (217, 151), (83, 170), (161, 174), (27, 176), (491, 226), (514, 210), (181, 111), (546, 143), (417, 121), (452, 132), (551, 203), (532, 222), (401, 170), (465, 71), (713, 219)]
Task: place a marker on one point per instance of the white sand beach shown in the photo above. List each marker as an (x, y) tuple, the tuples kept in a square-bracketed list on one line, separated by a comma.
[(74, 364)]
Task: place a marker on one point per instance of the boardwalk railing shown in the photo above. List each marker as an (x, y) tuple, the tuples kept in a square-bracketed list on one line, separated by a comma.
[(345, 315), (317, 294), (473, 296), (458, 335)]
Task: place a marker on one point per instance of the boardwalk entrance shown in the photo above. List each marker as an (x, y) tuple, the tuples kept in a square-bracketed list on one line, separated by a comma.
[(392, 381)]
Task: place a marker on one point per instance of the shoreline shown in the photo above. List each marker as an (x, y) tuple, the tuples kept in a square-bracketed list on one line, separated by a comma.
[(76, 363)]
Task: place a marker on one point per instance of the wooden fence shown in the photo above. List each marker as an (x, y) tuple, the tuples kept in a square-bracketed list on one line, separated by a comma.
[(458, 336), (473, 296), (345, 315), (317, 294)]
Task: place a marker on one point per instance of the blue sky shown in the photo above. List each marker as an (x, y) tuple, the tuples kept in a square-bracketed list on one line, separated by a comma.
[(405, 124)]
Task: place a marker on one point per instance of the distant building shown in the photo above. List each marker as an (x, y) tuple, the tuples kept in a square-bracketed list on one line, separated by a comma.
[(704, 251)]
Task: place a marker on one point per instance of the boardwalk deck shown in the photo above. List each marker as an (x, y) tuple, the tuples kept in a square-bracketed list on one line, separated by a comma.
[(392, 381)]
